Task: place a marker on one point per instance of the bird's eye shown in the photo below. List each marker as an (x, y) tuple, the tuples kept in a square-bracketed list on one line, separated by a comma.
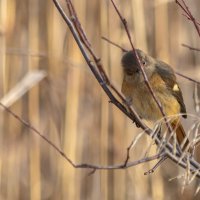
[(143, 62)]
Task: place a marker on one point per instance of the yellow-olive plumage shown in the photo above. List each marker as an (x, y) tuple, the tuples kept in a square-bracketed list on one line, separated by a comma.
[(163, 82)]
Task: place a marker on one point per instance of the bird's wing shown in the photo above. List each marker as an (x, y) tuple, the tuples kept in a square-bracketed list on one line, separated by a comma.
[(168, 76)]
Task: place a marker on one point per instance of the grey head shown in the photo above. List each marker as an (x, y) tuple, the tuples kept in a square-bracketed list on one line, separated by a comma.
[(131, 66)]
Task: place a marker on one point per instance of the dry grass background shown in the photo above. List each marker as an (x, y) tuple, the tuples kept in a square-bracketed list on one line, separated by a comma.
[(69, 107)]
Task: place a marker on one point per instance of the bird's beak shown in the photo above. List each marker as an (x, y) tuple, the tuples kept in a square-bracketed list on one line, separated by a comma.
[(130, 70)]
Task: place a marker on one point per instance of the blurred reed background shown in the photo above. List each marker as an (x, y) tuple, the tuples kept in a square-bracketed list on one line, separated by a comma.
[(51, 86)]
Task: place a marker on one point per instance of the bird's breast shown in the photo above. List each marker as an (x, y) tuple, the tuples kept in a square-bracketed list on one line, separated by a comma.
[(145, 104)]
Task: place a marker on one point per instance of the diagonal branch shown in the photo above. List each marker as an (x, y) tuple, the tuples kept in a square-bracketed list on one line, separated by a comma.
[(97, 60), (188, 14), (83, 165), (93, 68), (114, 44), (84, 40), (191, 48)]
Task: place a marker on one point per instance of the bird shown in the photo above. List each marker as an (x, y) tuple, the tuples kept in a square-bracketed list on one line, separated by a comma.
[(163, 82)]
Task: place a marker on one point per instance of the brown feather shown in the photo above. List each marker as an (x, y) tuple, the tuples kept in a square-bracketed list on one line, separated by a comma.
[(167, 74)]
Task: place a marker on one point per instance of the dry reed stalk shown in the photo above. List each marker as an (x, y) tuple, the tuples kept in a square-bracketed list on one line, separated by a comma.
[(34, 104)]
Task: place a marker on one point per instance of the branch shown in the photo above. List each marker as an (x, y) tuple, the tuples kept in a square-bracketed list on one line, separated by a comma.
[(114, 44), (97, 60), (83, 165), (84, 40), (191, 48), (188, 78), (190, 19), (188, 14), (28, 125)]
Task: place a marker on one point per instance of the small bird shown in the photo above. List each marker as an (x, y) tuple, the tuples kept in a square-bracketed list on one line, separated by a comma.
[(163, 82)]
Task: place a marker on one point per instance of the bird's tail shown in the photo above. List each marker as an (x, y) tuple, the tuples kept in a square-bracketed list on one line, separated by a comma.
[(181, 136)]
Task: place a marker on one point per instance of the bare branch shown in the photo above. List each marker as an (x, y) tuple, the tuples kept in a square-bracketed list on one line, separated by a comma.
[(186, 77), (27, 124), (114, 44), (132, 144), (84, 39), (156, 166), (191, 48), (189, 15), (83, 165), (190, 19)]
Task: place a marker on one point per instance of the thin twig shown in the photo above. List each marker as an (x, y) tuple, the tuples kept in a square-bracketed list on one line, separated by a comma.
[(83, 165), (190, 19), (191, 48), (27, 124), (186, 77), (156, 166), (133, 142), (186, 9), (114, 44)]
